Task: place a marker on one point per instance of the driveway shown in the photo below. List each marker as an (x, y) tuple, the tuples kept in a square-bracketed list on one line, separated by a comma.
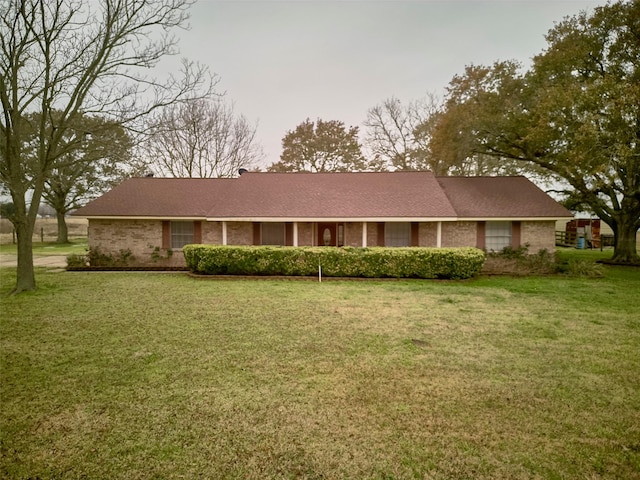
[(52, 261)]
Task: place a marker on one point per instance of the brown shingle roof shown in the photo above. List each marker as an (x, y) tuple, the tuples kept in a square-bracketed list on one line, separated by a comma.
[(499, 197), (330, 195), (381, 195), (158, 197)]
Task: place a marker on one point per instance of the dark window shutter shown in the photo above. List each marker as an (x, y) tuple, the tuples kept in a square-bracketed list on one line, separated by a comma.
[(381, 234), (166, 234), (256, 233), (415, 234), (481, 232), (515, 235), (197, 232), (288, 234)]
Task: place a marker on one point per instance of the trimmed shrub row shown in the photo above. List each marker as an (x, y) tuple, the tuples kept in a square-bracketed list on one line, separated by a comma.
[(378, 262)]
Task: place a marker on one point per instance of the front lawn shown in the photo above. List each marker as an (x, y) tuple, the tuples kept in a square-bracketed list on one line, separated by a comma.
[(147, 375)]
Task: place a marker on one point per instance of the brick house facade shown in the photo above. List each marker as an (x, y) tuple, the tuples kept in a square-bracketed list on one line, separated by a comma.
[(152, 218)]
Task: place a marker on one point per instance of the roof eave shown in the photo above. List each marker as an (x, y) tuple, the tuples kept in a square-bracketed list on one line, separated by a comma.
[(323, 219), (513, 219), (331, 219), (143, 217)]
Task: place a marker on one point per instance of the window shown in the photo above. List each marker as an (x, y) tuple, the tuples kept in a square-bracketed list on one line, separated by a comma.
[(497, 235), (273, 233), (181, 234), (326, 236), (397, 234)]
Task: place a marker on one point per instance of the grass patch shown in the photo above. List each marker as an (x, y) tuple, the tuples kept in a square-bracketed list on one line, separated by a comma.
[(129, 375), (593, 255), (78, 246)]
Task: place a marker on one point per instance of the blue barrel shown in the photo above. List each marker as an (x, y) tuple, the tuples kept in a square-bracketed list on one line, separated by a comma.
[(580, 243)]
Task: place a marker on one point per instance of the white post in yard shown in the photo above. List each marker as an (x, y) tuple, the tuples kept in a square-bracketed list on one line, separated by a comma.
[(439, 235), (224, 233), (295, 234)]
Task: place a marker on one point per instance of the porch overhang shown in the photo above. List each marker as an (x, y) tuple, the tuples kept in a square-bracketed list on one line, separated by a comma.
[(511, 219), (143, 217), (331, 219)]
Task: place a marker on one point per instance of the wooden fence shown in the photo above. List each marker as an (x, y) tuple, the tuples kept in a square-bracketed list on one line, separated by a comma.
[(570, 239)]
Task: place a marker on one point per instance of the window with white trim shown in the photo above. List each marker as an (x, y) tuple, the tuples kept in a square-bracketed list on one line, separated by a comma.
[(273, 233), (397, 234), (181, 234), (497, 236)]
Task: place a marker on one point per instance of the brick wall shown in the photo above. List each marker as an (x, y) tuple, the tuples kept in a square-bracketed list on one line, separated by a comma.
[(141, 237), (428, 234), (538, 235), (353, 234), (212, 233), (239, 233), (372, 234), (136, 235), (305, 234), (459, 234)]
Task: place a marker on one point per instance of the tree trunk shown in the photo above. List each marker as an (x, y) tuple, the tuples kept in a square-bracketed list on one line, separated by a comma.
[(625, 241), (26, 279), (63, 231), (24, 220)]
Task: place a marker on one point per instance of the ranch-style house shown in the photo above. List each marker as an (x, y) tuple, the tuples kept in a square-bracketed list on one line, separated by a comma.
[(154, 218)]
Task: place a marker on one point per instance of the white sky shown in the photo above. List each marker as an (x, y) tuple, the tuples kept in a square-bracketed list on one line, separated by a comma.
[(283, 61)]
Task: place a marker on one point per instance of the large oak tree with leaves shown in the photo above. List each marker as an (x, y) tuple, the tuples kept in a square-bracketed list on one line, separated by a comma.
[(573, 117), (321, 146)]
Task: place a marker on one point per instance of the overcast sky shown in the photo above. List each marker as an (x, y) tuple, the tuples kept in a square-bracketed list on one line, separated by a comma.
[(283, 61)]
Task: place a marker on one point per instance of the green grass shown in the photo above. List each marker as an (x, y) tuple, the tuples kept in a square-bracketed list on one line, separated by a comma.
[(78, 246), (564, 253), (141, 375)]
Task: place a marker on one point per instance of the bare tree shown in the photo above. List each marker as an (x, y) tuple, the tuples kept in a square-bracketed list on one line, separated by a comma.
[(396, 138), (389, 134), (77, 57), (201, 138)]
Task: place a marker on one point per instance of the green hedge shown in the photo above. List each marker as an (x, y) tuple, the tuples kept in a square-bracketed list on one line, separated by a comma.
[(377, 262)]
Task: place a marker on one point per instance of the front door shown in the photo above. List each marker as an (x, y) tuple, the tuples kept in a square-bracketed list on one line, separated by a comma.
[(327, 235)]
